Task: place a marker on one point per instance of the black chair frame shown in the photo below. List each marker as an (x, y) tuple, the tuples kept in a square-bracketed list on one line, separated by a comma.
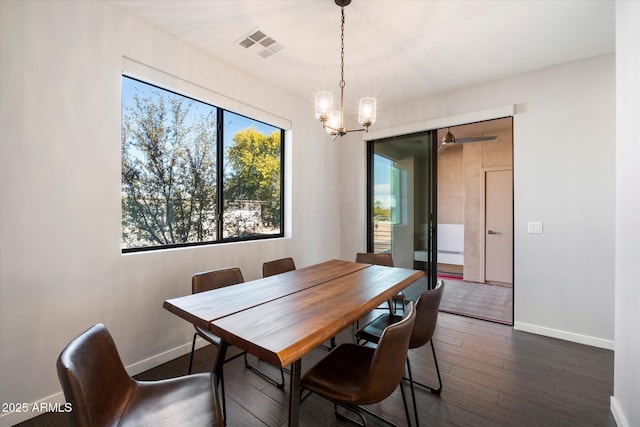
[(377, 325)]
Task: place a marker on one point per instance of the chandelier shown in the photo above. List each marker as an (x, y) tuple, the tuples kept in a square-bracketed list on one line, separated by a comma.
[(333, 120)]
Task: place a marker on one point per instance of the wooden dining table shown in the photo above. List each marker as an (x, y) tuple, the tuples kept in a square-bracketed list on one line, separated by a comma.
[(282, 318)]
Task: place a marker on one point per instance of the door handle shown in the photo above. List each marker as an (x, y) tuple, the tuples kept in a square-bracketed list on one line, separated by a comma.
[(492, 232)]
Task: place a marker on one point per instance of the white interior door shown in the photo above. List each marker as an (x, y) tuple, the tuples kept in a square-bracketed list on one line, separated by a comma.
[(498, 226)]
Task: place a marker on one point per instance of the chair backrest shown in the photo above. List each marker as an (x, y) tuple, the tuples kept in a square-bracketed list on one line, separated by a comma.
[(214, 279), (94, 379), (427, 308), (387, 366), (378, 259), (277, 266)]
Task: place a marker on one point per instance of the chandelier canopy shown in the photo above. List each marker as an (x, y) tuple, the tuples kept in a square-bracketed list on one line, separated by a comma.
[(333, 120)]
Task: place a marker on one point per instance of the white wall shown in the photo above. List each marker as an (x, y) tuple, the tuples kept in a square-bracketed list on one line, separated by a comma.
[(626, 396), (564, 176), (60, 260), (61, 269)]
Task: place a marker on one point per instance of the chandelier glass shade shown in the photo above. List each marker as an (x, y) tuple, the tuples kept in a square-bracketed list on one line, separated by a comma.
[(332, 119), (324, 105)]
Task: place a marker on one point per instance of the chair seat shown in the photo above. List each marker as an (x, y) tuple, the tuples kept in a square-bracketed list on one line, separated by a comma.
[(342, 374), (102, 393), (172, 402), (353, 375), (373, 330)]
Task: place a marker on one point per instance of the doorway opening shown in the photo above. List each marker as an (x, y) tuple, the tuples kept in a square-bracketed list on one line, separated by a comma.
[(448, 210), (475, 219)]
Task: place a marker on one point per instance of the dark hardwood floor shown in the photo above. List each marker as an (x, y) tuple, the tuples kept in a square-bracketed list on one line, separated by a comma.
[(492, 376)]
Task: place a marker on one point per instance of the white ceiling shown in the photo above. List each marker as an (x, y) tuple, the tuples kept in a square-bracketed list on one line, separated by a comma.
[(394, 49)]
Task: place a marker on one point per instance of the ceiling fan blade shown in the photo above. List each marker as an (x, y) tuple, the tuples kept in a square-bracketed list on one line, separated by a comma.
[(475, 138)]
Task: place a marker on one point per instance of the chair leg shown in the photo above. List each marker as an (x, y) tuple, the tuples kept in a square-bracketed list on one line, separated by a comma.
[(224, 400), (282, 377), (218, 369), (280, 384), (331, 346), (355, 410), (432, 389), (193, 349), (360, 410), (435, 359), (413, 394), (406, 408), (384, 420)]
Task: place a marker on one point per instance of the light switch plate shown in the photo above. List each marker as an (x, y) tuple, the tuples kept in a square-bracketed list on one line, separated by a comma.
[(534, 227)]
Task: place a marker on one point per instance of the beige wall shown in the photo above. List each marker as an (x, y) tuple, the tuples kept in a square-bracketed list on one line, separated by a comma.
[(61, 267), (573, 106), (450, 185)]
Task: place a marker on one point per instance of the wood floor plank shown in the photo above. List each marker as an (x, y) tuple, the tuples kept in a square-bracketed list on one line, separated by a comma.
[(492, 376), (459, 355), (453, 385), (467, 332), (470, 401), (460, 415)]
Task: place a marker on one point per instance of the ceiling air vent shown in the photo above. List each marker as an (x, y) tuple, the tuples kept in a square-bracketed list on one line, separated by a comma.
[(268, 46)]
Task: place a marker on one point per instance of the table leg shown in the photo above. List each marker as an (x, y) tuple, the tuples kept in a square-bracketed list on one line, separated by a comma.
[(218, 370), (294, 394)]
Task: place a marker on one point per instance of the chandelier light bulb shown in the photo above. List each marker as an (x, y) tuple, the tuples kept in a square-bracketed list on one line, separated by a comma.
[(324, 105), (333, 121), (367, 112)]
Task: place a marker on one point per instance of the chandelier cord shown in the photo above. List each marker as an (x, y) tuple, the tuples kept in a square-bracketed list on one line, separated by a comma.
[(342, 83), (332, 119), (342, 51)]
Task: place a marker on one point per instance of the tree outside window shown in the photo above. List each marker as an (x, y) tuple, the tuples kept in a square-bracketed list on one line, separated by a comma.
[(174, 192)]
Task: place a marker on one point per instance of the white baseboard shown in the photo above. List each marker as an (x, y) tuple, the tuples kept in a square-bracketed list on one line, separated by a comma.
[(564, 335), (159, 359), (9, 419), (618, 414)]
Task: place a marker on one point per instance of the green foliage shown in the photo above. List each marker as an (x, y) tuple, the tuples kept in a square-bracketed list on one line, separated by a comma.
[(381, 213), (254, 161)]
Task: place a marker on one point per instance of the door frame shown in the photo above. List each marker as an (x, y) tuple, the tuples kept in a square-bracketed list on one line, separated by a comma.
[(432, 238), (483, 219)]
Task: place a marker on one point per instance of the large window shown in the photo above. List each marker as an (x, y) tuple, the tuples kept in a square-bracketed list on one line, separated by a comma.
[(195, 174)]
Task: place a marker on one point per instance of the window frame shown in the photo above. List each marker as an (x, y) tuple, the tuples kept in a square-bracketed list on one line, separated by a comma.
[(220, 183)]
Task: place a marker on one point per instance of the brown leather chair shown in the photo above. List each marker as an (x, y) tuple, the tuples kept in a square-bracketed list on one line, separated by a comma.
[(383, 258), (271, 268), (427, 308), (101, 392), (386, 259), (353, 375), (207, 281)]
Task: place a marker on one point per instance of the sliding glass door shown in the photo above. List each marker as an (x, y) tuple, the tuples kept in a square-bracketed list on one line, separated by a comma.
[(402, 203)]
